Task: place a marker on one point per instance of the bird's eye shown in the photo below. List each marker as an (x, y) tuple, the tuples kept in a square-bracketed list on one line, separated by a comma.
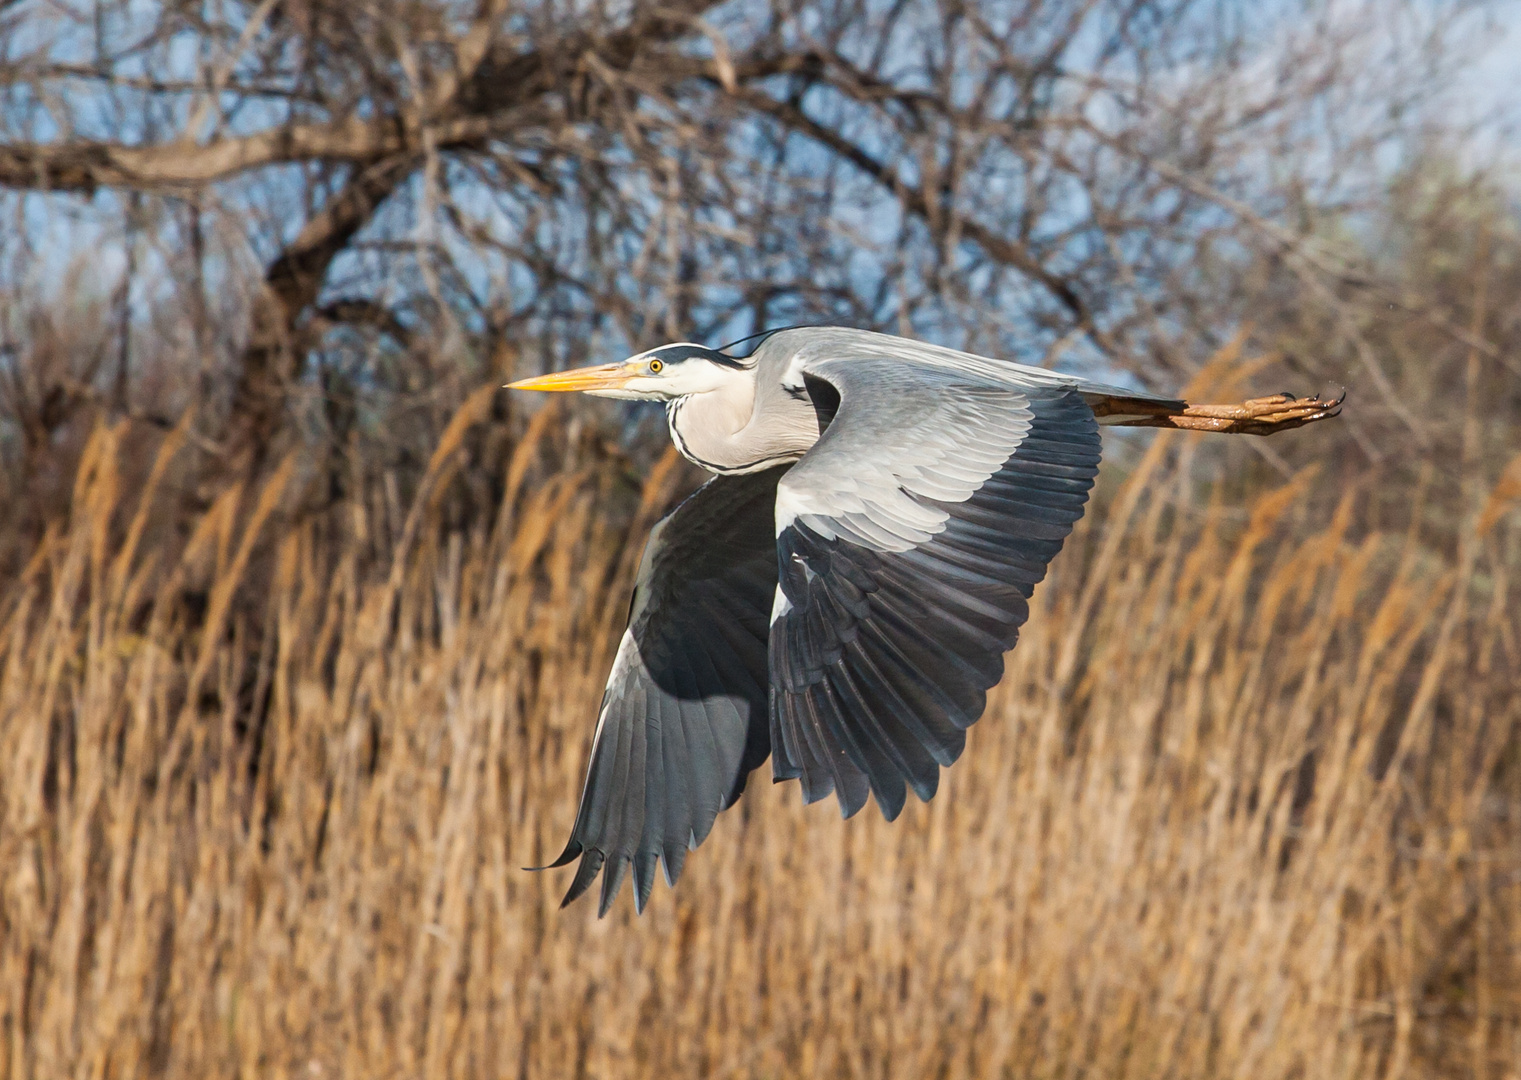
[(655, 366)]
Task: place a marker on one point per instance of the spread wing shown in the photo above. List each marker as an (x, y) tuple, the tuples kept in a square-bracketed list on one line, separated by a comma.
[(683, 720), (910, 539)]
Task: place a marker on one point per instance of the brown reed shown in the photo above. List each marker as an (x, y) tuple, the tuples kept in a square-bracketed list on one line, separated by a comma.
[(1247, 804)]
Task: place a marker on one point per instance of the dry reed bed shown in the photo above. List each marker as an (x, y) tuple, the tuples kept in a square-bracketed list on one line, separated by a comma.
[(1246, 805)]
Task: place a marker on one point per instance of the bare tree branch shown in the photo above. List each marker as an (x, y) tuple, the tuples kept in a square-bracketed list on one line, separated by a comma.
[(917, 202), (1016, 178)]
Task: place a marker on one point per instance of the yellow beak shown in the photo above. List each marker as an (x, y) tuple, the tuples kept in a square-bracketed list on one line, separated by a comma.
[(601, 377)]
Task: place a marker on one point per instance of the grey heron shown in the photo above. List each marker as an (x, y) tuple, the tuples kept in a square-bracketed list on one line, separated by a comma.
[(839, 596)]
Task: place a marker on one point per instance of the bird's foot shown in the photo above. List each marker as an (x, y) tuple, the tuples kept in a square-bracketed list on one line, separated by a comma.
[(1258, 416)]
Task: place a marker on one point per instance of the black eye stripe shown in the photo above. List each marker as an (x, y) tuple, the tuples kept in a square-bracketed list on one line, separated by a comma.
[(675, 354)]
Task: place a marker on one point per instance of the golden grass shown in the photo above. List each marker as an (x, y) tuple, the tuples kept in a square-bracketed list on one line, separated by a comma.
[(1248, 804)]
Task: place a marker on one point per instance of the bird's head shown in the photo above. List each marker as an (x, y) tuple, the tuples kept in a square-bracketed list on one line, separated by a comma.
[(663, 374)]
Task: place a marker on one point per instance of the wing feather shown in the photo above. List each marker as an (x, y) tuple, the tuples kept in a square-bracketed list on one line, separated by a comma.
[(684, 718), (910, 540)]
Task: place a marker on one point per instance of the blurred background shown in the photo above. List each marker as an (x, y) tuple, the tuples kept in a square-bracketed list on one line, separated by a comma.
[(304, 622)]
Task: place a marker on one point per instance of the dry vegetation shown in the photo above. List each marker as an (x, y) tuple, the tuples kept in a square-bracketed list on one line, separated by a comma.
[(1246, 804), (303, 624)]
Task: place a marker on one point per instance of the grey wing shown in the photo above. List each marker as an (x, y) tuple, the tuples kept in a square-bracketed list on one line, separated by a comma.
[(683, 720), (910, 539)]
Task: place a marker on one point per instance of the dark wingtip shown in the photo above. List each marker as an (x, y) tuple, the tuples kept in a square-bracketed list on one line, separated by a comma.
[(586, 873), (572, 849), (671, 862), (850, 799), (926, 787), (891, 802), (612, 881), (644, 879)]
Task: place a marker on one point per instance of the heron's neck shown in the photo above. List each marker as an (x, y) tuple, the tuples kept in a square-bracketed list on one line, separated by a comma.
[(713, 429)]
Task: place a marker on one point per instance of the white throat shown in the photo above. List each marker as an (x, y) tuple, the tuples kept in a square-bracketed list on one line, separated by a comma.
[(720, 431)]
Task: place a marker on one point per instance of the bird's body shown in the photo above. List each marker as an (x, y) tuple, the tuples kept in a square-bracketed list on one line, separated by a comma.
[(840, 595), (747, 424)]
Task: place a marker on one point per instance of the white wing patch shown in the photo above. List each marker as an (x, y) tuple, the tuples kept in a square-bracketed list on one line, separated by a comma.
[(780, 606), (626, 660)]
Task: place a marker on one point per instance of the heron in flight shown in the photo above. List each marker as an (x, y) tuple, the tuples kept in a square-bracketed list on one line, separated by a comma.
[(840, 594)]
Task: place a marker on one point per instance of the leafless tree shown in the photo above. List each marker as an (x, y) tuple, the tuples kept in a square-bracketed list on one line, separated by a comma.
[(373, 189)]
